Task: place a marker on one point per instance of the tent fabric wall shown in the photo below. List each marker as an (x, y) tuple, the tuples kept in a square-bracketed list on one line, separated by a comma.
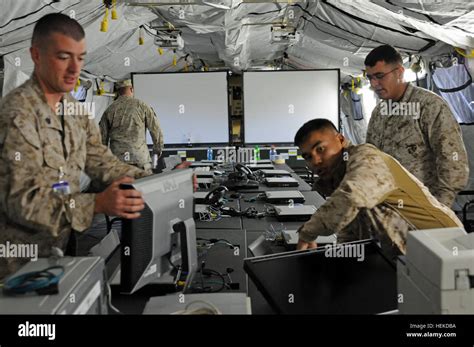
[(237, 34), (468, 137), (354, 129), (460, 101)]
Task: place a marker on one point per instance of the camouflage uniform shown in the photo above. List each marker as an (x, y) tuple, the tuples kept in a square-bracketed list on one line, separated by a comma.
[(31, 156), (124, 123), (372, 195), (428, 144)]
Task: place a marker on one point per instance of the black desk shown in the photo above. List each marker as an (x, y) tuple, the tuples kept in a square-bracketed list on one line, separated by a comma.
[(220, 256), (224, 222), (283, 167), (302, 187), (312, 198)]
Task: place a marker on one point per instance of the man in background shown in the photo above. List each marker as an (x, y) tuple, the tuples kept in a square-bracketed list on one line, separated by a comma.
[(123, 126), (416, 127)]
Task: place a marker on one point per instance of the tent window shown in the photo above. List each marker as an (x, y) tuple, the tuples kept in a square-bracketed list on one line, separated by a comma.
[(357, 106), (455, 86)]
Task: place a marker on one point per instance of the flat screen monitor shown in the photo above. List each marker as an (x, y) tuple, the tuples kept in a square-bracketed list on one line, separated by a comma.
[(349, 278), (191, 107), (161, 243), (282, 101)]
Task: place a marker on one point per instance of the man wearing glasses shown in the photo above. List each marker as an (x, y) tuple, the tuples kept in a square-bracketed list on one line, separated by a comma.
[(416, 127)]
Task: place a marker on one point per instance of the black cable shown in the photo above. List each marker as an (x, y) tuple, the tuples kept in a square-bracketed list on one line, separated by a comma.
[(214, 240), (431, 42), (273, 11), (92, 236), (175, 268), (24, 26), (211, 272), (209, 289), (203, 264), (43, 282), (29, 39), (358, 19), (29, 14), (409, 9), (109, 222), (149, 32), (345, 39)]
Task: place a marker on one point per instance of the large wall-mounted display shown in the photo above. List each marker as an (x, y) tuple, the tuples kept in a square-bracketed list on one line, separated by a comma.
[(191, 107), (277, 103)]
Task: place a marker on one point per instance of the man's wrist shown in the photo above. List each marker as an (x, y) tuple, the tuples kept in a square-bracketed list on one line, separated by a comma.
[(98, 204), (303, 236)]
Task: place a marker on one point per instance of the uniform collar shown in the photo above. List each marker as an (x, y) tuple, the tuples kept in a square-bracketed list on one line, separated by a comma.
[(34, 83), (407, 94)]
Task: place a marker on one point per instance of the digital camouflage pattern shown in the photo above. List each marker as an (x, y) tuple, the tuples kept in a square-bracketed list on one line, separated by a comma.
[(124, 124), (421, 133), (371, 195), (31, 158)]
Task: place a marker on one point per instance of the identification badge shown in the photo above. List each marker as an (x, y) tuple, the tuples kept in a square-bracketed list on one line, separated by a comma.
[(62, 188)]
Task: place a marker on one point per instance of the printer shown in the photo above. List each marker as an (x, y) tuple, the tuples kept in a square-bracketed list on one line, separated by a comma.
[(81, 289), (436, 276)]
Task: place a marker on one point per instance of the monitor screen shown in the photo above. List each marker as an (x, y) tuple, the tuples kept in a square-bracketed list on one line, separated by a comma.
[(163, 239), (191, 107), (282, 101), (350, 278)]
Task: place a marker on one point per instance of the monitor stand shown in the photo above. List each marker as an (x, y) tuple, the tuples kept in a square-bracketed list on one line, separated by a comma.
[(166, 283)]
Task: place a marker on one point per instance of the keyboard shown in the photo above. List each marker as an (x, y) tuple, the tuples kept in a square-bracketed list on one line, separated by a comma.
[(202, 168)]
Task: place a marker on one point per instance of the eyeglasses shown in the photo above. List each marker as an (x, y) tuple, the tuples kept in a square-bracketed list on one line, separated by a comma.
[(379, 75)]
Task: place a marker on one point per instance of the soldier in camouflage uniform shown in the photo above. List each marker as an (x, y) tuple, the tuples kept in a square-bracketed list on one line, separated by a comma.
[(124, 124), (41, 146), (369, 193), (416, 127)]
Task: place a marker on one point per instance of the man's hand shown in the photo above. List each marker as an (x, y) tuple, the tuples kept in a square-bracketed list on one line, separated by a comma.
[(183, 165), (195, 182), (305, 245), (125, 203)]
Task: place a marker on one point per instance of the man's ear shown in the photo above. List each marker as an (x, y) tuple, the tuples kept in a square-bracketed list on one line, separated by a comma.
[(401, 72), (35, 54), (342, 140)]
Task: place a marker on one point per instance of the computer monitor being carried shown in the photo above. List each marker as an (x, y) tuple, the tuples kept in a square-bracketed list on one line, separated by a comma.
[(161, 243)]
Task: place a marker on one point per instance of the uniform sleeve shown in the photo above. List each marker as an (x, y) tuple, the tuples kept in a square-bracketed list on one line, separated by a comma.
[(445, 140), (373, 129), (153, 125), (101, 163), (366, 183), (104, 129), (29, 200)]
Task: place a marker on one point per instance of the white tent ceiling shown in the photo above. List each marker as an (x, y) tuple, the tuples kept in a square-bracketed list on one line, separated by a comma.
[(237, 33)]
